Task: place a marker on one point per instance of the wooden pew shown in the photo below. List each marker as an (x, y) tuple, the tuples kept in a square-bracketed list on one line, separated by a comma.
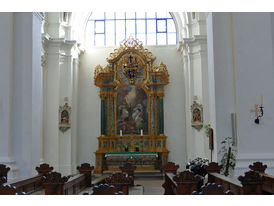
[(120, 180), (31, 184), (212, 189), (249, 184), (169, 167), (268, 180), (182, 184), (106, 189), (3, 173), (55, 184), (10, 190), (129, 168)]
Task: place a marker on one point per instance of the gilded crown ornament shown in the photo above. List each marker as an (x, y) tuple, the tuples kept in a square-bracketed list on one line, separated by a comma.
[(131, 44)]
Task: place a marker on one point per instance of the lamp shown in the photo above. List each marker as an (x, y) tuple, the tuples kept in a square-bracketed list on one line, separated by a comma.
[(259, 112)]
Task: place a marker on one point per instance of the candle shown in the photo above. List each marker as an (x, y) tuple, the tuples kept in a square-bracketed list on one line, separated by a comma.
[(261, 101), (121, 133), (141, 132)]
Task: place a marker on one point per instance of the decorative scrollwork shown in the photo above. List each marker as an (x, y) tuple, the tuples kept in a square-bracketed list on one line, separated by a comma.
[(128, 45), (159, 73)]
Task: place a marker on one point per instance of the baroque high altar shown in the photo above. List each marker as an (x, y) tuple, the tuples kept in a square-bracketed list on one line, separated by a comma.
[(132, 112)]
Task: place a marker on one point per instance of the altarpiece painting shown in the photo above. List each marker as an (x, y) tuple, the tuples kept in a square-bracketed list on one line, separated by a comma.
[(132, 112)]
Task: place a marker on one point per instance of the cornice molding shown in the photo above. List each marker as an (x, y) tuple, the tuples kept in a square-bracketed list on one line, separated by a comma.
[(195, 40)]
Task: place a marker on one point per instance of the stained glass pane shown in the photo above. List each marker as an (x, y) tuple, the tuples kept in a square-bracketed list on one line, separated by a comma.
[(130, 26), (120, 31), (141, 26), (170, 26), (171, 38), (161, 25), (140, 15), (120, 15), (151, 39), (142, 38), (110, 33), (151, 15), (161, 39), (97, 15), (162, 14), (109, 15), (151, 26), (130, 15), (99, 40), (99, 26)]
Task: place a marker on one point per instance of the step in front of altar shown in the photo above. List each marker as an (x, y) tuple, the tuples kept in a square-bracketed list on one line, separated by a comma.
[(142, 174)]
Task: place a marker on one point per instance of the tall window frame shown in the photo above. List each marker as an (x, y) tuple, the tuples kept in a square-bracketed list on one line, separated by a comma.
[(152, 28)]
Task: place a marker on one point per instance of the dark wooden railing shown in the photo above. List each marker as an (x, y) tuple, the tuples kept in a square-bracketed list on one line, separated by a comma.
[(249, 184), (129, 169), (268, 180), (55, 184), (182, 184), (169, 167), (106, 189), (120, 180), (212, 189), (26, 186)]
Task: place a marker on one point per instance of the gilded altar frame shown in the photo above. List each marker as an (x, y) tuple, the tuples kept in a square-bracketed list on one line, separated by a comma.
[(131, 67)]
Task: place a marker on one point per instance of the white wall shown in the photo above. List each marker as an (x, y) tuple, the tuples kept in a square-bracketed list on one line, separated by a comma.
[(241, 56), (89, 106)]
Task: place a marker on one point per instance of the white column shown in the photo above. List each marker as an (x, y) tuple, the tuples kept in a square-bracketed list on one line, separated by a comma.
[(66, 91), (51, 103), (6, 92), (74, 115), (194, 51), (59, 80), (27, 92)]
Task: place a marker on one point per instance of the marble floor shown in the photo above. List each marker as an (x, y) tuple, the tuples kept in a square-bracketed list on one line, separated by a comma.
[(151, 186)]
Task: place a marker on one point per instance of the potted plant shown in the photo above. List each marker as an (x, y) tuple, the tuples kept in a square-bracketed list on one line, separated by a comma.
[(227, 153)]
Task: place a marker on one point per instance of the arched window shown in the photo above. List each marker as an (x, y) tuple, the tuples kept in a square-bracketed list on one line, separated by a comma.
[(110, 28)]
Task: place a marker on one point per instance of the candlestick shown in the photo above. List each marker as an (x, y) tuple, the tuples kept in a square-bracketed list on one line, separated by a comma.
[(141, 132), (261, 100), (121, 133)]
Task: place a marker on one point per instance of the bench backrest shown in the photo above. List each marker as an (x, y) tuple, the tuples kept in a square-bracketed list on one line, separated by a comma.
[(212, 189), (170, 167), (106, 189)]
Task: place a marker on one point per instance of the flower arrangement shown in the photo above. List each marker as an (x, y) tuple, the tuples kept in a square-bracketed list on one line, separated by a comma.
[(198, 165)]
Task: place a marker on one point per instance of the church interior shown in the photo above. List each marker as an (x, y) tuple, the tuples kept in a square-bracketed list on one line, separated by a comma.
[(136, 103)]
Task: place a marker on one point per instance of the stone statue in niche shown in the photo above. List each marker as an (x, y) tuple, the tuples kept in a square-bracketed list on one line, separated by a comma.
[(197, 115), (64, 117)]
